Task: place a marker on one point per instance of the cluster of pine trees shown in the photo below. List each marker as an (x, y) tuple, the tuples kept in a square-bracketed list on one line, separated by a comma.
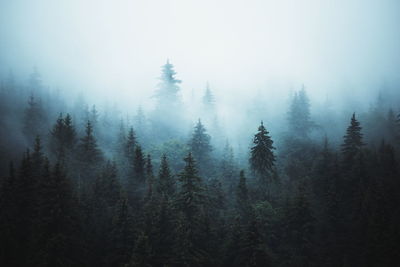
[(86, 195)]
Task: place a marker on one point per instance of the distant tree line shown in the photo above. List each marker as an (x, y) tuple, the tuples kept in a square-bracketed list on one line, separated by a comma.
[(80, 189)]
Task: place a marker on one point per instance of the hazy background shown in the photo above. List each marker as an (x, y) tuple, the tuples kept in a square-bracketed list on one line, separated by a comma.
[(114, 49)]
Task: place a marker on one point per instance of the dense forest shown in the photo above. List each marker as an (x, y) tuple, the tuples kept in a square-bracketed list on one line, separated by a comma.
[(87, 185)]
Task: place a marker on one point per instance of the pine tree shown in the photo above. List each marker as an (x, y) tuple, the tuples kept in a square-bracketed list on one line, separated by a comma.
[(201, 148), (130, 145), (262, 158), (167, 94), (353, 143), (190, 201), (398, 130), (242, 198), (9, 247), (228, 169), (56, 229), (208, 100), (299, 237), (300, 123), (34, 119), (122, 233), (149, 177), (166, 184), (89, 152), (139, 165), (63, 137)]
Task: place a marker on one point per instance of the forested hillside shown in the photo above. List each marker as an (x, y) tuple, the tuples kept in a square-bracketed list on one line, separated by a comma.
[(84, 184)]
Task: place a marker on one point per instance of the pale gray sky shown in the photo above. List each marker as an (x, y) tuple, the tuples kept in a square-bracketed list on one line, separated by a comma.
[(115, 48)]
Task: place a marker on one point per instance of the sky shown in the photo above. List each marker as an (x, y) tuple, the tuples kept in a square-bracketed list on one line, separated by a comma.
[(113, 49)]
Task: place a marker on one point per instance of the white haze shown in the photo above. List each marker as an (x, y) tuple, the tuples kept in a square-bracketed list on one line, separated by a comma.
[(114, 49)]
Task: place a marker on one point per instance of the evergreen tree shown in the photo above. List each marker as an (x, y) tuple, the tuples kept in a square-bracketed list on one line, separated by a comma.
[(122, 234), (166, 184), (190, 201), (242, 198), (34, 119), (262, 158), (353, 143), (149, 177), (9, 246), (56, 230), (167, 94), (89, 153), (63, 137), (227, 169), (208, 100), (299, 233), (300, 123), (130, 145), (139, 165), (201, 148)]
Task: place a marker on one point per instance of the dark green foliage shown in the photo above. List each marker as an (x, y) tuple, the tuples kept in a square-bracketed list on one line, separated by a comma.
[(300, 124), (34, 119), (190, 204), (67, 204), (352, 141), (166, 185), (89, 153), (63, 137), (130, 145), (262, 159), (201, 148)]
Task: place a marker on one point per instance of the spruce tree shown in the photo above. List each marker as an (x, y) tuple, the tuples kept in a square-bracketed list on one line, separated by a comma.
[(9, 246), (352, 143), (167, 94), (299, 120), (242, 198), (201, 148), (34, 119), (190, 201), (149, 177), (130, 145), (208, 100), (89, 153), (166, 185), (262, 158)]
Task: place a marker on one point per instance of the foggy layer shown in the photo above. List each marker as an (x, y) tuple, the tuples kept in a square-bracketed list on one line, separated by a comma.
[(113, 49)]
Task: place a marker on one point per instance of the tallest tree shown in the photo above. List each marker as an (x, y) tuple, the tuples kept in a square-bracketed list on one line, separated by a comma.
[(168, 89), (168, 113)]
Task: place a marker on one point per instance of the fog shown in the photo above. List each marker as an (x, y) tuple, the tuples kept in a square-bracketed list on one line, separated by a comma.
[(199, 133), (113, 49)]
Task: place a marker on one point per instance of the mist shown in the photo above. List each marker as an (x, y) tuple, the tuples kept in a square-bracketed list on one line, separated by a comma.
[(284, 116)]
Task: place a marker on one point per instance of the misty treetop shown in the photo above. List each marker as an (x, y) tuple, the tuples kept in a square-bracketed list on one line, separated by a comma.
[(179, 185)]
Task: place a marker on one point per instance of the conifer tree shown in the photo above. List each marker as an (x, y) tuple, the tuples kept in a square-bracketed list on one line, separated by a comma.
[(167, 94), (122, 233), (34, 119), (130, 145), (300, 123), (190, 201), (166, 185), (262, 157), (201, 148), (149, 177), (227, 169), (353, 142), (89, 153), (8, 220), (63, 137), (139, 165), (208, 99), (242, 198)]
